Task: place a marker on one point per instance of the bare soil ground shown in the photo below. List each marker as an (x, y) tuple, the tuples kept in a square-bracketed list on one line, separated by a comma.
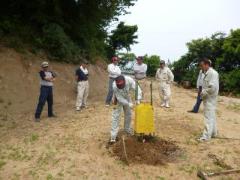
[(74, 145)]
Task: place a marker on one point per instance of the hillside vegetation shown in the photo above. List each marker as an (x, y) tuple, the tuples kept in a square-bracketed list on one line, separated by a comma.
[(223, 50), (68, 30)]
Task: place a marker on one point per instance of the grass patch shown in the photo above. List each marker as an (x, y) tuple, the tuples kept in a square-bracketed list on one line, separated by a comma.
[(234, 107), (2, 163), (190, 169), (50, 177)]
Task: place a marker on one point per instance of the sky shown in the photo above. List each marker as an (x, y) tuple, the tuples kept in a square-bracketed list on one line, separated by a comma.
[(165, 26)]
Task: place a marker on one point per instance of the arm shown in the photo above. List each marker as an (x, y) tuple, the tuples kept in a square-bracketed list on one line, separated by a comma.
[(120, 98), (213, 85), (114, 71), (199, 79), (43, 76), (133, 87), (156, 75), (170, 76)]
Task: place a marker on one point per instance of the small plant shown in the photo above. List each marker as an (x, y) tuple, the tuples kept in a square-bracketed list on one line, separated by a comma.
[(50, 177), (34, 137), (2, 163)]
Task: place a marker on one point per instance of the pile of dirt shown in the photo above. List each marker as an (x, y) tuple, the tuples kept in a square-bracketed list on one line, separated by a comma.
[(154, 151)]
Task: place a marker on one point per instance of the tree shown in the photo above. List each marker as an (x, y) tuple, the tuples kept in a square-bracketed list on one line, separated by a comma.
[(153, 64), (224, 51), (123, 37), (84, 22)]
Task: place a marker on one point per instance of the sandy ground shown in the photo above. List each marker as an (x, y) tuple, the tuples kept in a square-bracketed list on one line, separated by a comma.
[(73, 146)]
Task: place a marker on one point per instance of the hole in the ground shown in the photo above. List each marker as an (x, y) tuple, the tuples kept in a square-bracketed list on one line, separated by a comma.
[(151, 151)]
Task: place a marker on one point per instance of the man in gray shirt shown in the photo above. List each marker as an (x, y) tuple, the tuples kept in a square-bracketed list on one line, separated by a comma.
[(46, 91)]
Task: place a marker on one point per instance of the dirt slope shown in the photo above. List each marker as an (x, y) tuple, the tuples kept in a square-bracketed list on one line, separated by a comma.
[(19, 81), (73, 146)]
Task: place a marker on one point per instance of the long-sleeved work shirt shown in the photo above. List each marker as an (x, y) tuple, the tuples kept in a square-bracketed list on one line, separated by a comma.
[(123, 95), (140, 71), (114, 70)]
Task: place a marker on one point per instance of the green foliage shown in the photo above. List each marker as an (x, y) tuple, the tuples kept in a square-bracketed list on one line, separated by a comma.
[(153, 64), (224, 51), (59, 44), (231, 81), (123, 37), (127, 56), (65, 28)]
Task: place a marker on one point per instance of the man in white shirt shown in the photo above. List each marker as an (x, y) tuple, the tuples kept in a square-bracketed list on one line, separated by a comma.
[(209, 96), (140, 73), (114, 71), (199, 87), (165, 77), (122, 87)]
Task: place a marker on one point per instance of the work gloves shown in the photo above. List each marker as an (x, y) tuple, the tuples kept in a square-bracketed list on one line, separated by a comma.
[(130, 105)]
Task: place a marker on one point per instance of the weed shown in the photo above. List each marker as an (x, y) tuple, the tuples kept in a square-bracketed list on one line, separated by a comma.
[(1, 100), (234, 107), (2, 163), (60, 174), (18, 154), (49, 177), (33, 174), (136, 175), (34, 137), (188, 168), (160, 178)]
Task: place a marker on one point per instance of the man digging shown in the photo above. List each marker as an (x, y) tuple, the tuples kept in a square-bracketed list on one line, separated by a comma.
[(122, 86)]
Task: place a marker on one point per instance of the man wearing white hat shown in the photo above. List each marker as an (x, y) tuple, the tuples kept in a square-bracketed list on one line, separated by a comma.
[(46, 91)]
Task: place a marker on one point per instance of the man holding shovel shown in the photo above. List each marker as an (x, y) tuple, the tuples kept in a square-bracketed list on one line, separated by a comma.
[(122, 87)]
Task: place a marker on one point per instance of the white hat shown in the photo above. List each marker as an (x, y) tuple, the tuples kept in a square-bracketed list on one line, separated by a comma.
[(44, 64)]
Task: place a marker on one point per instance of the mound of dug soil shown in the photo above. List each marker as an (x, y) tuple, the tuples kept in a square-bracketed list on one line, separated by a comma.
[(153, 151)]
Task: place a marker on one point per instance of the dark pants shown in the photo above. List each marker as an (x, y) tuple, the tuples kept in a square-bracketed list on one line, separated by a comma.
[(198, 102), (110, 91), (46, 94)]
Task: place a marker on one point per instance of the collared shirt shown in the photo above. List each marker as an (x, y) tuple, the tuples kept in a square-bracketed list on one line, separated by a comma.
[(46, 74), (82, 74), (211, 82), (114, 70), (200, 79), (140, 71)]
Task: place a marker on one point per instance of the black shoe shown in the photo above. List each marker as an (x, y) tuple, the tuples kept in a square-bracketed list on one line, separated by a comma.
[(191, 111), (52, 116)]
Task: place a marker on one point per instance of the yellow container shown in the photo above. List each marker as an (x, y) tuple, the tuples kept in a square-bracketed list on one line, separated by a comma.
[(144, 119)]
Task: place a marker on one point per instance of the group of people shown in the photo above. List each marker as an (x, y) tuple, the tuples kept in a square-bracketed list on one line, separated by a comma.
[(120, 87)]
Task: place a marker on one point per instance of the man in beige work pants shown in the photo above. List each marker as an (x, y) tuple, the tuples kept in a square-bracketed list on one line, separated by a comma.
[(82, 87)]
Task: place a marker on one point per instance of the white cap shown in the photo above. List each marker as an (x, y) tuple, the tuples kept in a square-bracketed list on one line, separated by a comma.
[(44, 64)]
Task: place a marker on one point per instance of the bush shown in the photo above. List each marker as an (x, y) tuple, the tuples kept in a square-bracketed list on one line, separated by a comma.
[(59, 44), (231, 81), (153, 64)]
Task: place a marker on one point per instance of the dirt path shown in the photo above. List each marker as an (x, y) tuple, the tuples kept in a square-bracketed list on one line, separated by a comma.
[(73, 146)]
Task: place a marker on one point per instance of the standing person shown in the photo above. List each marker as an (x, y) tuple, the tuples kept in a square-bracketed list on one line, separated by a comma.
[(114, 71), (165, 77), (83, 86), (209, 96), (46, 91), (140, 73), (121, 89), (199, 87)]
